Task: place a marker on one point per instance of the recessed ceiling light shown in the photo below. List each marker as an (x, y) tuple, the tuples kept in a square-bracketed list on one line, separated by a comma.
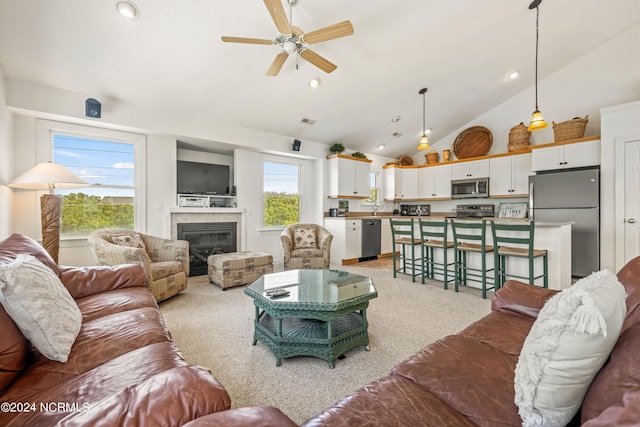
[(314, 82), (380, 147), (514, 75), (395, 119), (128, 9)]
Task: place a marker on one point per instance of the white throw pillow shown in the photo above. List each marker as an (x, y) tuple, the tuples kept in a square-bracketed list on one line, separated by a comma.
[(40, 305), (568, 344)]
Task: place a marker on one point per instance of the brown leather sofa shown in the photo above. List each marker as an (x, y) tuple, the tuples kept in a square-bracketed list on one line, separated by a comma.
[(123, 368), (468, 379)]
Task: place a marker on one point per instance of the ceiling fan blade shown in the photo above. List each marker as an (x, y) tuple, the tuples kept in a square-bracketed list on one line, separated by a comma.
[(318, 61), (277, 64), (328, 33), (276, 10), (246, 40)]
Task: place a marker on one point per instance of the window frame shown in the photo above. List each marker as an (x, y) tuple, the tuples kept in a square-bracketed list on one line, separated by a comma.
[(376, 175), (301, 206), (45, 130)]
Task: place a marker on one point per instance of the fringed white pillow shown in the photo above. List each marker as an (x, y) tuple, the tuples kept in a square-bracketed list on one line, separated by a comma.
[(568, 344), (40, 305)]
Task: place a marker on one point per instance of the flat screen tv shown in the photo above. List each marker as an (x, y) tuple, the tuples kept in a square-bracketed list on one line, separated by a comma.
[(202, 178)]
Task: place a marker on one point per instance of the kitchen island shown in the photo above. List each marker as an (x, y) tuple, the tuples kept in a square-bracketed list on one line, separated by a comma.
[(555, 237)]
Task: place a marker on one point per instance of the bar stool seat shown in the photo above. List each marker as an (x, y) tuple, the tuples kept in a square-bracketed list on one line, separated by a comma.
[(523, 236), (470, 237), (434, 236)]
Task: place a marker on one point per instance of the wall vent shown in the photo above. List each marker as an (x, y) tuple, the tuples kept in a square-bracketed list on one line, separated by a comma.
[(308, 121)]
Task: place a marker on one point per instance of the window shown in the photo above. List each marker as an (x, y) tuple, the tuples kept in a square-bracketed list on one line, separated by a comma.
[(111, 162), (374, 189), (281, 189)]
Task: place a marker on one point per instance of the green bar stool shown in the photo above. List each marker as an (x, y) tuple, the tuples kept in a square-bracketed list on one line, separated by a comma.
[(402, 234), (505, 236), (470, 237), (434, 236)]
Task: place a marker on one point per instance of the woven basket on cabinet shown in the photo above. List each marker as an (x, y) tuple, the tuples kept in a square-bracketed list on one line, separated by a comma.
[(570, 129), (519, 138), (432, 157)]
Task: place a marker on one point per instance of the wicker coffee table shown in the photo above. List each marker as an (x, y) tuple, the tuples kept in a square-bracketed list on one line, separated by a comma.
[(324, 314)]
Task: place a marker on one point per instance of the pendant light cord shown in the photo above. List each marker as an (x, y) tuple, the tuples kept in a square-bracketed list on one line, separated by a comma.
[(537, 31), (423, 118)]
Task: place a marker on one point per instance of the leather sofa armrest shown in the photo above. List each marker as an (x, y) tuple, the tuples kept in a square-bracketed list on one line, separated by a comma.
[(521, 298), (85, 281)]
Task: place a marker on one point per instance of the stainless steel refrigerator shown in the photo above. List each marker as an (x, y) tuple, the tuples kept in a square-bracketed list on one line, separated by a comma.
[(572, 195)]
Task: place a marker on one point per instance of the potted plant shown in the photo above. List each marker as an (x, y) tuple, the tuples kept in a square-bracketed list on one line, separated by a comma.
[(336, 148), (359, 155)]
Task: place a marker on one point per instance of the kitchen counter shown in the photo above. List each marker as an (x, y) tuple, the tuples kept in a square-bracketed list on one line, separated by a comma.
[(555, 237)]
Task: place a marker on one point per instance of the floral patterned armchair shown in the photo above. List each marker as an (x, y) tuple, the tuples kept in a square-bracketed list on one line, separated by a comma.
[(166, 262), (306, 246)]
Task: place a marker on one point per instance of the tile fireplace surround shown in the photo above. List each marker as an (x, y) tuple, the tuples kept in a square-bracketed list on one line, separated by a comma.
[(186, 215)]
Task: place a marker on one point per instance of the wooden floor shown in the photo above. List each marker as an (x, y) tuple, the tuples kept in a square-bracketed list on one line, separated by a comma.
[(384, 263)]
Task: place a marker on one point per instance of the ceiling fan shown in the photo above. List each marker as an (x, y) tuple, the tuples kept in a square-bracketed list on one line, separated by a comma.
[(293, 40)]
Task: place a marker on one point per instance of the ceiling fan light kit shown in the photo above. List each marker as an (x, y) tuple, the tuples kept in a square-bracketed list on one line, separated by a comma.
[(537, 121), (293, 40), (424, 142)]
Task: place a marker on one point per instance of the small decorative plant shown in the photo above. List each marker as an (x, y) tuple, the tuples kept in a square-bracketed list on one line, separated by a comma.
[(336, 148), (359, 155)]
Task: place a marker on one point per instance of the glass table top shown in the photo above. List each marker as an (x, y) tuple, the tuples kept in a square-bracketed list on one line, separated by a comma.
[(312, 286)]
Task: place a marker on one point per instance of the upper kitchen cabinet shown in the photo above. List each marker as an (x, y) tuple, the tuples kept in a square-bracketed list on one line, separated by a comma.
[(510, 175), (470, 169), (434, 182), (567, 154), (348, 177), (400, 183)]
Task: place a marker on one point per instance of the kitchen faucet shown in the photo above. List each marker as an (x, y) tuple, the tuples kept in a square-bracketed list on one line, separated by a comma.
[(376, 206)]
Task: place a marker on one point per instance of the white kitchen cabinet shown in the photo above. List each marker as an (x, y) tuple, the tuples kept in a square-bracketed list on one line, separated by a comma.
[(564, 156), (434, 182), (386, 244), (470, 169), (392, 183), (510, 175), (409, 184), (353, 239), (348, 177), (400, 183), (347, 237)]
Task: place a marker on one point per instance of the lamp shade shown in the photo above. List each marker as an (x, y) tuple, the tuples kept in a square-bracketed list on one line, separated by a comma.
[(48, 176), (424, 143), (537, 122)]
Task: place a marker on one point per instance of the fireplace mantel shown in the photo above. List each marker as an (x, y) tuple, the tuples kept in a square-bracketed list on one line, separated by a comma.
[(186, 215)]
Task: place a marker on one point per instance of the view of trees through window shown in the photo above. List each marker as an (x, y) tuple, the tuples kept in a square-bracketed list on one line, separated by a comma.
[(109, 167), (281, 194)]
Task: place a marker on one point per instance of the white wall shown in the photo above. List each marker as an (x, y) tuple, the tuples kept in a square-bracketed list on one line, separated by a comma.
[(6, 164)]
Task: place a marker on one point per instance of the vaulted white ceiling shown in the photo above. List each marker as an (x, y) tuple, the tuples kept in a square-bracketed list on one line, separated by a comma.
[(172, 59)]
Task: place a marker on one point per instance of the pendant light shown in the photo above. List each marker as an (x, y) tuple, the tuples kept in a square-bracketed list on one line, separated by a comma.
[(424, 143), (537, 122)]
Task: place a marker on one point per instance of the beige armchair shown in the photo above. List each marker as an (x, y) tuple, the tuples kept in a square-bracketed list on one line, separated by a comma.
[(306, 246), (166, 262)]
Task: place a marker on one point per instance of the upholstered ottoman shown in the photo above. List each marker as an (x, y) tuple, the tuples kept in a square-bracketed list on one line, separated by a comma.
[(238, 268)]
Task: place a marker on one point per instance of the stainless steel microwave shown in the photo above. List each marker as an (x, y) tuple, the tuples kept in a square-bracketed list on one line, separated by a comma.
[(470, 188)]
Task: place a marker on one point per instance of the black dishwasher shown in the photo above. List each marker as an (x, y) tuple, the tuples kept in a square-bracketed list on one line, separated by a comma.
[(370, 238)]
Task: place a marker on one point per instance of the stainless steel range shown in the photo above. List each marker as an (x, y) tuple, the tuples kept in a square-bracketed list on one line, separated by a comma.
[(475, 211)]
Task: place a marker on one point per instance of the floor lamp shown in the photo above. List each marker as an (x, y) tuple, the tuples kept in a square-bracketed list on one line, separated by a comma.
[(49, 176)]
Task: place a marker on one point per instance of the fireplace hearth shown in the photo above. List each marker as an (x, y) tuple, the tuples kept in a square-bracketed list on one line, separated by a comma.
[(207, 238)]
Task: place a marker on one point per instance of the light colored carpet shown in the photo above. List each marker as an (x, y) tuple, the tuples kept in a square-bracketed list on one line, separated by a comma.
[(214, 328)]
